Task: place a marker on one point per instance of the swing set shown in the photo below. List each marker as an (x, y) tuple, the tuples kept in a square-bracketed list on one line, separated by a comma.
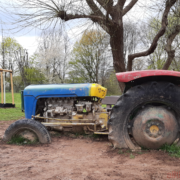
[(3, 103)]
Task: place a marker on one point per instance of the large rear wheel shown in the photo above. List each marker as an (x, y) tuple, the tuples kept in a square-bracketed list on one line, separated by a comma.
[(147, 116)]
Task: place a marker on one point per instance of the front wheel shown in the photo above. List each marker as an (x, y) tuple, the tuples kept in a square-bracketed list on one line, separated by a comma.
[(147, 115), (28, 129)]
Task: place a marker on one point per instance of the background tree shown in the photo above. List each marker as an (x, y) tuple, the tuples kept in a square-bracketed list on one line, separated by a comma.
[(25, 70), (111, 83), (34, 76), (53, 54), (132, 39), (8, 46), (22, 59), (91, 58), (164, 56)]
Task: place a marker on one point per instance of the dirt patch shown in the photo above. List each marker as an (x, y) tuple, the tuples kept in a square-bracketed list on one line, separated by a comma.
[(70, 158)]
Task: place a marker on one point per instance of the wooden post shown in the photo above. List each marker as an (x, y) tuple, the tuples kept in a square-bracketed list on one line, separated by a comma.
[(12, 91), (2, 100)]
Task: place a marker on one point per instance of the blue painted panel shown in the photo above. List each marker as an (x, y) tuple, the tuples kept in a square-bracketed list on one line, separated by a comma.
[(33, 92), (29, 106), (58, 89)]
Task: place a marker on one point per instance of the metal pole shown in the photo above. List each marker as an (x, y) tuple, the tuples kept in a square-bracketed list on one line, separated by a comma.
[(4, 88), (3, 50), (12, 91)]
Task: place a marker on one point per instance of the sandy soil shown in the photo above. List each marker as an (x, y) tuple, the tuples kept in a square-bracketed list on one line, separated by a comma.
[(68, 158)]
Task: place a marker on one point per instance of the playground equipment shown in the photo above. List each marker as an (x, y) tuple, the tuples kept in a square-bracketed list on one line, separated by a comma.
[(3, 103)]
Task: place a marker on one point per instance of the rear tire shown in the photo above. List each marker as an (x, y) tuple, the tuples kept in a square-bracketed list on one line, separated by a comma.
[(32, 126), (120, 124)]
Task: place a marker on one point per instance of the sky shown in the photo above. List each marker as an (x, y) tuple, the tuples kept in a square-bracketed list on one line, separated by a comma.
[(28, 38)]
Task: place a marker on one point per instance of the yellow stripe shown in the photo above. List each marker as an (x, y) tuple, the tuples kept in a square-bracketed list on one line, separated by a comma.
[(98, 91)]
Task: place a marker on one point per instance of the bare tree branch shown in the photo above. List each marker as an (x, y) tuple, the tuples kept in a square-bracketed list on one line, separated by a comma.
[(129, 6), (94, 8), (168, 47), (107, 4), (164, 23), (121, 2), (67, 17)]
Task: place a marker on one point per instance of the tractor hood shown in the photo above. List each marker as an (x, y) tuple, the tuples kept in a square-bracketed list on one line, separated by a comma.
[(66, 90)]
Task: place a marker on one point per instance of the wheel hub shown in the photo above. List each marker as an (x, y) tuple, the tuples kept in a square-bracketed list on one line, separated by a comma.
[(154, 130), (155, 126)]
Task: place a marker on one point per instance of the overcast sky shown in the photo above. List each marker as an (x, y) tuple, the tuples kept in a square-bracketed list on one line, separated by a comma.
[(28, 38)]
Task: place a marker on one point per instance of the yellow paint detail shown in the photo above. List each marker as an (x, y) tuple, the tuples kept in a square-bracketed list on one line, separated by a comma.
[(102, 133), (154, 129), (104, 118), (98, 91), (77, 116)]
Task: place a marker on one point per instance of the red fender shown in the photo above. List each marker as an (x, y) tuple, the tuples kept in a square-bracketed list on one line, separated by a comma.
[(132, 75)]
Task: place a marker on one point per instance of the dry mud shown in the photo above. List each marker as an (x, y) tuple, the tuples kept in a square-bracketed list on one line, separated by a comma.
[(70, 158)]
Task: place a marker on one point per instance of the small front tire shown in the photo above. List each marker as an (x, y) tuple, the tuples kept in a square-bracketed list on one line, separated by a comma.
[(35, 128)]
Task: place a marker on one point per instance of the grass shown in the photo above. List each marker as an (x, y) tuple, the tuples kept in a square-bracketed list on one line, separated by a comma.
[(19, 140), (12, 113), (173, 150), (131, 156), (120, 152), (104, 105)]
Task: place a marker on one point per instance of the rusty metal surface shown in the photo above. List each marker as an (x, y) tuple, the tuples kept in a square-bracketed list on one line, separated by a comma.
[(102, 133), (97, 121), (155, 126), (66, 124), (79, 119), (111, 100), (132, 75)]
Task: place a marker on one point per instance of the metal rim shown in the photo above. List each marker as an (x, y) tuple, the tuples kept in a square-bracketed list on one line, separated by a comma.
[(127, 127), (154, 126)]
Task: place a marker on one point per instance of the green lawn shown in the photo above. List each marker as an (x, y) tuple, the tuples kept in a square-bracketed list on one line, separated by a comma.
[(11, 113)]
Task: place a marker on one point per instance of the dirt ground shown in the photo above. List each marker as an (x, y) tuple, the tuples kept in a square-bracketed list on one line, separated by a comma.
[(68, 158)]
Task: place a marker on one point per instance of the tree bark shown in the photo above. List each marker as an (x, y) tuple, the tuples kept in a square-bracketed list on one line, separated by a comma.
[(168, 47), (117, 47)]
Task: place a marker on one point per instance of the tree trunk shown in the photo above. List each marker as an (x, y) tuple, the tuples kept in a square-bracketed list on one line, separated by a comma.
[(171, 55), (116, 42)]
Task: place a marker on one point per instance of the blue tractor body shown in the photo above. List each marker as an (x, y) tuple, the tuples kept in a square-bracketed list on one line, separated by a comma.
[(32, 93)]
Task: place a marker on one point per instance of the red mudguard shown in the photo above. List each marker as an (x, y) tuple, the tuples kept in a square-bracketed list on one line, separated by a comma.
[(132, 75)]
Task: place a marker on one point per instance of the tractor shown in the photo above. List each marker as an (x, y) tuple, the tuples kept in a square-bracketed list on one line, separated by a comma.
[(146, 115)]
